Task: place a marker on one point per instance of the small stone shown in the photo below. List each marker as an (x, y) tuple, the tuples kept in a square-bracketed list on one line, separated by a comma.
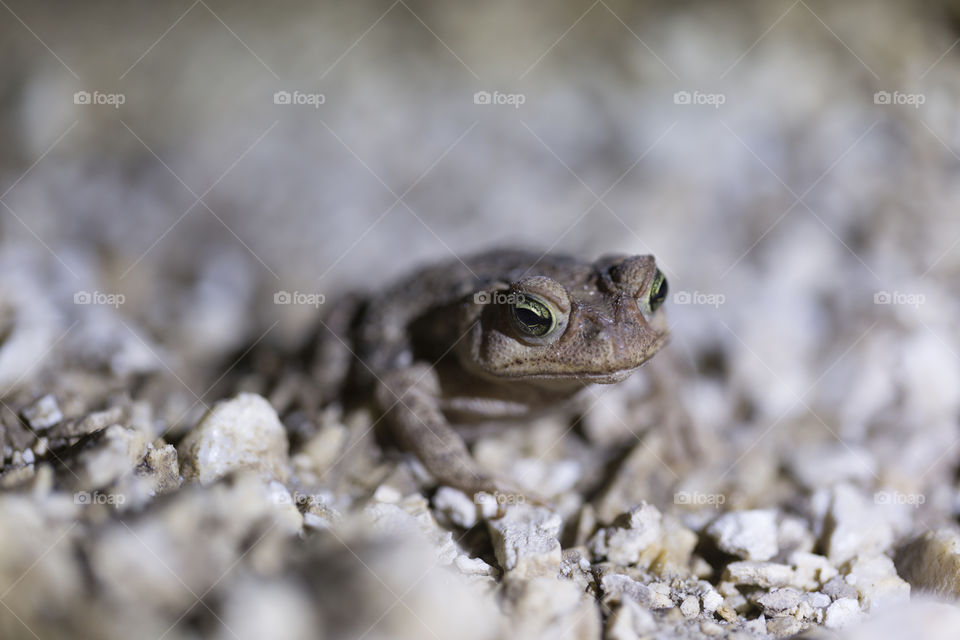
[(643, 620), (804, 611), (286, 514), (316, 521), (825, 465), (842, 613), (544, 605), (586, 524), (92, 423), (41, 447), (757, 626), (751, 535), (816, 599), (812, 570), (838, 588), (760, 574), (160, 465), (617, 587), (738, 602), (43, 414), (674, 548), (456, 507), (794, 533), (244, 432), (412, 515), (932, 562), (728, 613), (388, 494), (918, 619), (877, 583), (258, 608), (473, 566), (487, 505), (854, 525), (784, 626), (525, 541), (690, 607), (777, 601), (16, 476), (576, 566), (630, 621), (631, 534), (323, 450), (700, 567), (620, 625), (711, 600), (116, 451)]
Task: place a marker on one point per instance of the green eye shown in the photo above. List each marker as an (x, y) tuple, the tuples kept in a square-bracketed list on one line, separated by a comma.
[(658, 291), (532, 316)]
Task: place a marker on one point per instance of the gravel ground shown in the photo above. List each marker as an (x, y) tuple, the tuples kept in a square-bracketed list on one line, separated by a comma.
[(788, 465)]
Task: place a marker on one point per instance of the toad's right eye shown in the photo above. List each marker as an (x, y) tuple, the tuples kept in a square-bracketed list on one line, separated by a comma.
[(533, 316)]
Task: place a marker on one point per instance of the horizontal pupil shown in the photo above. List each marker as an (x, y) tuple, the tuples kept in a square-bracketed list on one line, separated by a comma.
[(529, 317)]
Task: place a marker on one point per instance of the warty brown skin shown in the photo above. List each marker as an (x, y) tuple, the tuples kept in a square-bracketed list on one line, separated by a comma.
[(458, 341)]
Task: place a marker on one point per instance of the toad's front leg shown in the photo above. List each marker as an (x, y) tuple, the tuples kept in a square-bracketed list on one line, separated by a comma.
[(409, 398)]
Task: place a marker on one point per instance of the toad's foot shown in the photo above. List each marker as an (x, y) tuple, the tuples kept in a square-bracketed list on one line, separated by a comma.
[(421, 428)]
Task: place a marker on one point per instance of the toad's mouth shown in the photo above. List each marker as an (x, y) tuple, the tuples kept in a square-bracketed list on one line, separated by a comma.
[(606, 377), (601, 371), (611, 376)]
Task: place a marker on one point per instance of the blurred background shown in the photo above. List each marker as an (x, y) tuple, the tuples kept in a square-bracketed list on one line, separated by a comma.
[(792, 165), (744, 145)]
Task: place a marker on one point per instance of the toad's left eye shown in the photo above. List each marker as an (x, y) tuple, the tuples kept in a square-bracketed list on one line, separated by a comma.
[(658, 292), (532, 316)]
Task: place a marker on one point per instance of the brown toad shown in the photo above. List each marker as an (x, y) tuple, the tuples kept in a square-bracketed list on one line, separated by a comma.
[(501, 335)]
